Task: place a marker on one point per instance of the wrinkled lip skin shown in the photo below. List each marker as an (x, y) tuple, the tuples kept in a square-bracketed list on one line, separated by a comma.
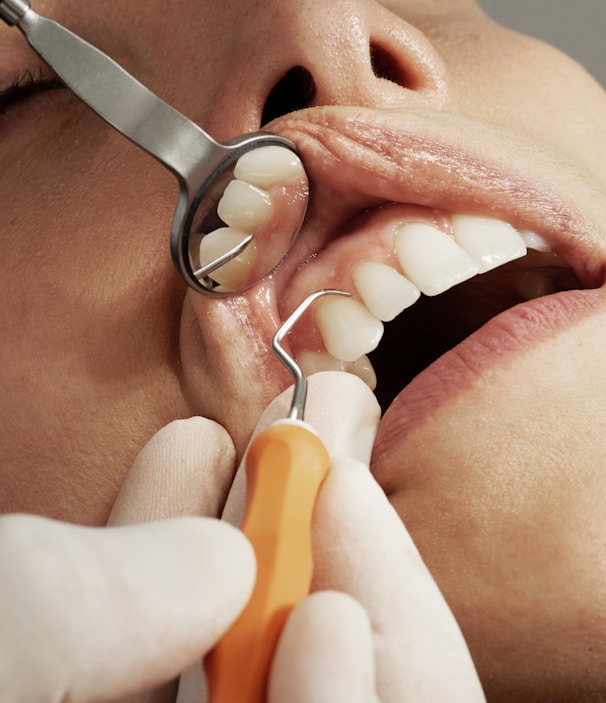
[(359, 159)]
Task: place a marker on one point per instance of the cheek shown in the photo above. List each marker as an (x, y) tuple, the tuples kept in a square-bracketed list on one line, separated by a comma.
[(91, 306), (503, 491), (531, 90)]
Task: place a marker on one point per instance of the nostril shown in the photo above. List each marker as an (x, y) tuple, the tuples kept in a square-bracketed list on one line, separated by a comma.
[(384, 65), (294, 91)]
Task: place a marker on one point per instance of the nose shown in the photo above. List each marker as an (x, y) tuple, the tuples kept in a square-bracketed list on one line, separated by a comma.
[(303, 53)]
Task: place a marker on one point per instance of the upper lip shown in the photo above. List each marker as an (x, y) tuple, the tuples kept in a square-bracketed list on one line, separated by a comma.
[(360, 158)]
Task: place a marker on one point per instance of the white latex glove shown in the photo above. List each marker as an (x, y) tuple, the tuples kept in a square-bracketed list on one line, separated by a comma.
[(96, 614), (377, 628)]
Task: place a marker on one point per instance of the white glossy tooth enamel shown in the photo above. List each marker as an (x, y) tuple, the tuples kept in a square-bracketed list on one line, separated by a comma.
[(232, 274), (385, 292), (534, 284), (244, 206), (313, 362), (432, 260), (268, 165), (535, 241), (348, 329), (488, 241)]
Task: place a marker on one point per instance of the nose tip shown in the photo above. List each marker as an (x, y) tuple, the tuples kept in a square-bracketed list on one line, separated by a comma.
[(354, 52)]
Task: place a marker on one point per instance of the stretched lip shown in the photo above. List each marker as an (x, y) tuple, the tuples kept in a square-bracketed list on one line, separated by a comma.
[(360, 158), (504, 336)]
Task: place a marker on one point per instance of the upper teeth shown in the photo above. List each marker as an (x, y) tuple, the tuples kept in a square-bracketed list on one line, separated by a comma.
[(431, 262), (427, 260)]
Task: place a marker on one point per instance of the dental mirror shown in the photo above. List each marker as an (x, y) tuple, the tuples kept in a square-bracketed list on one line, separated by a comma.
[(220, 243)]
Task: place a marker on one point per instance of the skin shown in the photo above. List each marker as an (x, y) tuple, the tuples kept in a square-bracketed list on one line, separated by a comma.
[(501, 482)]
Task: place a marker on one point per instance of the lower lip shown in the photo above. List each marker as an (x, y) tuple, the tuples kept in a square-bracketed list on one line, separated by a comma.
[(497, 341)]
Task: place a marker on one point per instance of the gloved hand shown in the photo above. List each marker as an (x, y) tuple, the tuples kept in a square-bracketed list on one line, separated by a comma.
[(95, 614), (377, 627)]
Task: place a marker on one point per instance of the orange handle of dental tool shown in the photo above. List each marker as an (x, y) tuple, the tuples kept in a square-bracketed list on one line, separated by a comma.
[(285, 467)]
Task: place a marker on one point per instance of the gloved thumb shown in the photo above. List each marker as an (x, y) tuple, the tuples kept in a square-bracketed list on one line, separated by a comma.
[(96, 614), (185, 469), (341, 409)]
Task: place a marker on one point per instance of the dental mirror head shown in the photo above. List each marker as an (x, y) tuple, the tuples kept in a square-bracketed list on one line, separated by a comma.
[(241, 203)]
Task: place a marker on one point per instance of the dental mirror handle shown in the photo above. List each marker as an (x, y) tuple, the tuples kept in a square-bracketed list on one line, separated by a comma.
[(285, 467), (114, 94)]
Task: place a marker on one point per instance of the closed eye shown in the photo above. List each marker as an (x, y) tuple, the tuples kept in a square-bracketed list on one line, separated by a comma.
[(24, 86)]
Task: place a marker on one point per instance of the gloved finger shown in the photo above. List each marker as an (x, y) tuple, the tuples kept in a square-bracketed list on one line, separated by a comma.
[(113, 611), (325, 653), (342, 410), (362, 548), (185, 469)]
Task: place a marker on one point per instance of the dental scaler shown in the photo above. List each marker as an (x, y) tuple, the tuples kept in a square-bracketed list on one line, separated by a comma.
[(285, 466), (214, 256)]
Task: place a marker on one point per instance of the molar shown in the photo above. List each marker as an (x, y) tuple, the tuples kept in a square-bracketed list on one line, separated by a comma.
[(432, 260), (384, 291), (243, 206), (265, 166), (348, 329), (489, 242), (235, 272)]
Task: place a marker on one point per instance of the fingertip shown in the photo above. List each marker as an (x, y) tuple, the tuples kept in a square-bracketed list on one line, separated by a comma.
[(345, 413), (186, 468), (325, 653)]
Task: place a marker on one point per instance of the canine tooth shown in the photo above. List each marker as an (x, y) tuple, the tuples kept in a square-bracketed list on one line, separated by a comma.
[(348, 329), (312, 362), (268, 165), (235, 272), (432, 260), (244, 206), (534, 284), (488, 241), (535, 241), (385, 292)]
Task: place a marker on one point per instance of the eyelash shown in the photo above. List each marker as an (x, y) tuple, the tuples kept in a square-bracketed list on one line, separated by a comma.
[(24, 86)]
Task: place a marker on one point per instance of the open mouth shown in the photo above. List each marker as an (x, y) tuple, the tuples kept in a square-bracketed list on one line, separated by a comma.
[(422, 281), (434, 325)]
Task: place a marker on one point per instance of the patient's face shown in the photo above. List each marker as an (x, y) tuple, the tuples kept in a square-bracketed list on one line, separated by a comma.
[(412, 119)]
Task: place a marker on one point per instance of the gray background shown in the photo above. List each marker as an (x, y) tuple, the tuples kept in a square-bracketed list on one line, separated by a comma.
[(578, 27)]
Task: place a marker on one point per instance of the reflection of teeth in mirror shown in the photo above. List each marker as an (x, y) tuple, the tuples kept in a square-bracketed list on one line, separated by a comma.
[(244, 206), (267, 165), (234, 273), (432, 260), (489, 242), (384, 291), (347, 328), (534, 284), (313, 362)]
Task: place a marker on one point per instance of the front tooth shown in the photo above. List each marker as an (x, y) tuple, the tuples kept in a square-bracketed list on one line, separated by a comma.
[(311, 362), (432, 260), (489, 242), (385, 292), (244, 206), (268, 165), (348, 329), (235, 272)]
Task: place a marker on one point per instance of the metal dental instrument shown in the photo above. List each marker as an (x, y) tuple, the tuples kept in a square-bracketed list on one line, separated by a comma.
[(203, 166), (285, 466)]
